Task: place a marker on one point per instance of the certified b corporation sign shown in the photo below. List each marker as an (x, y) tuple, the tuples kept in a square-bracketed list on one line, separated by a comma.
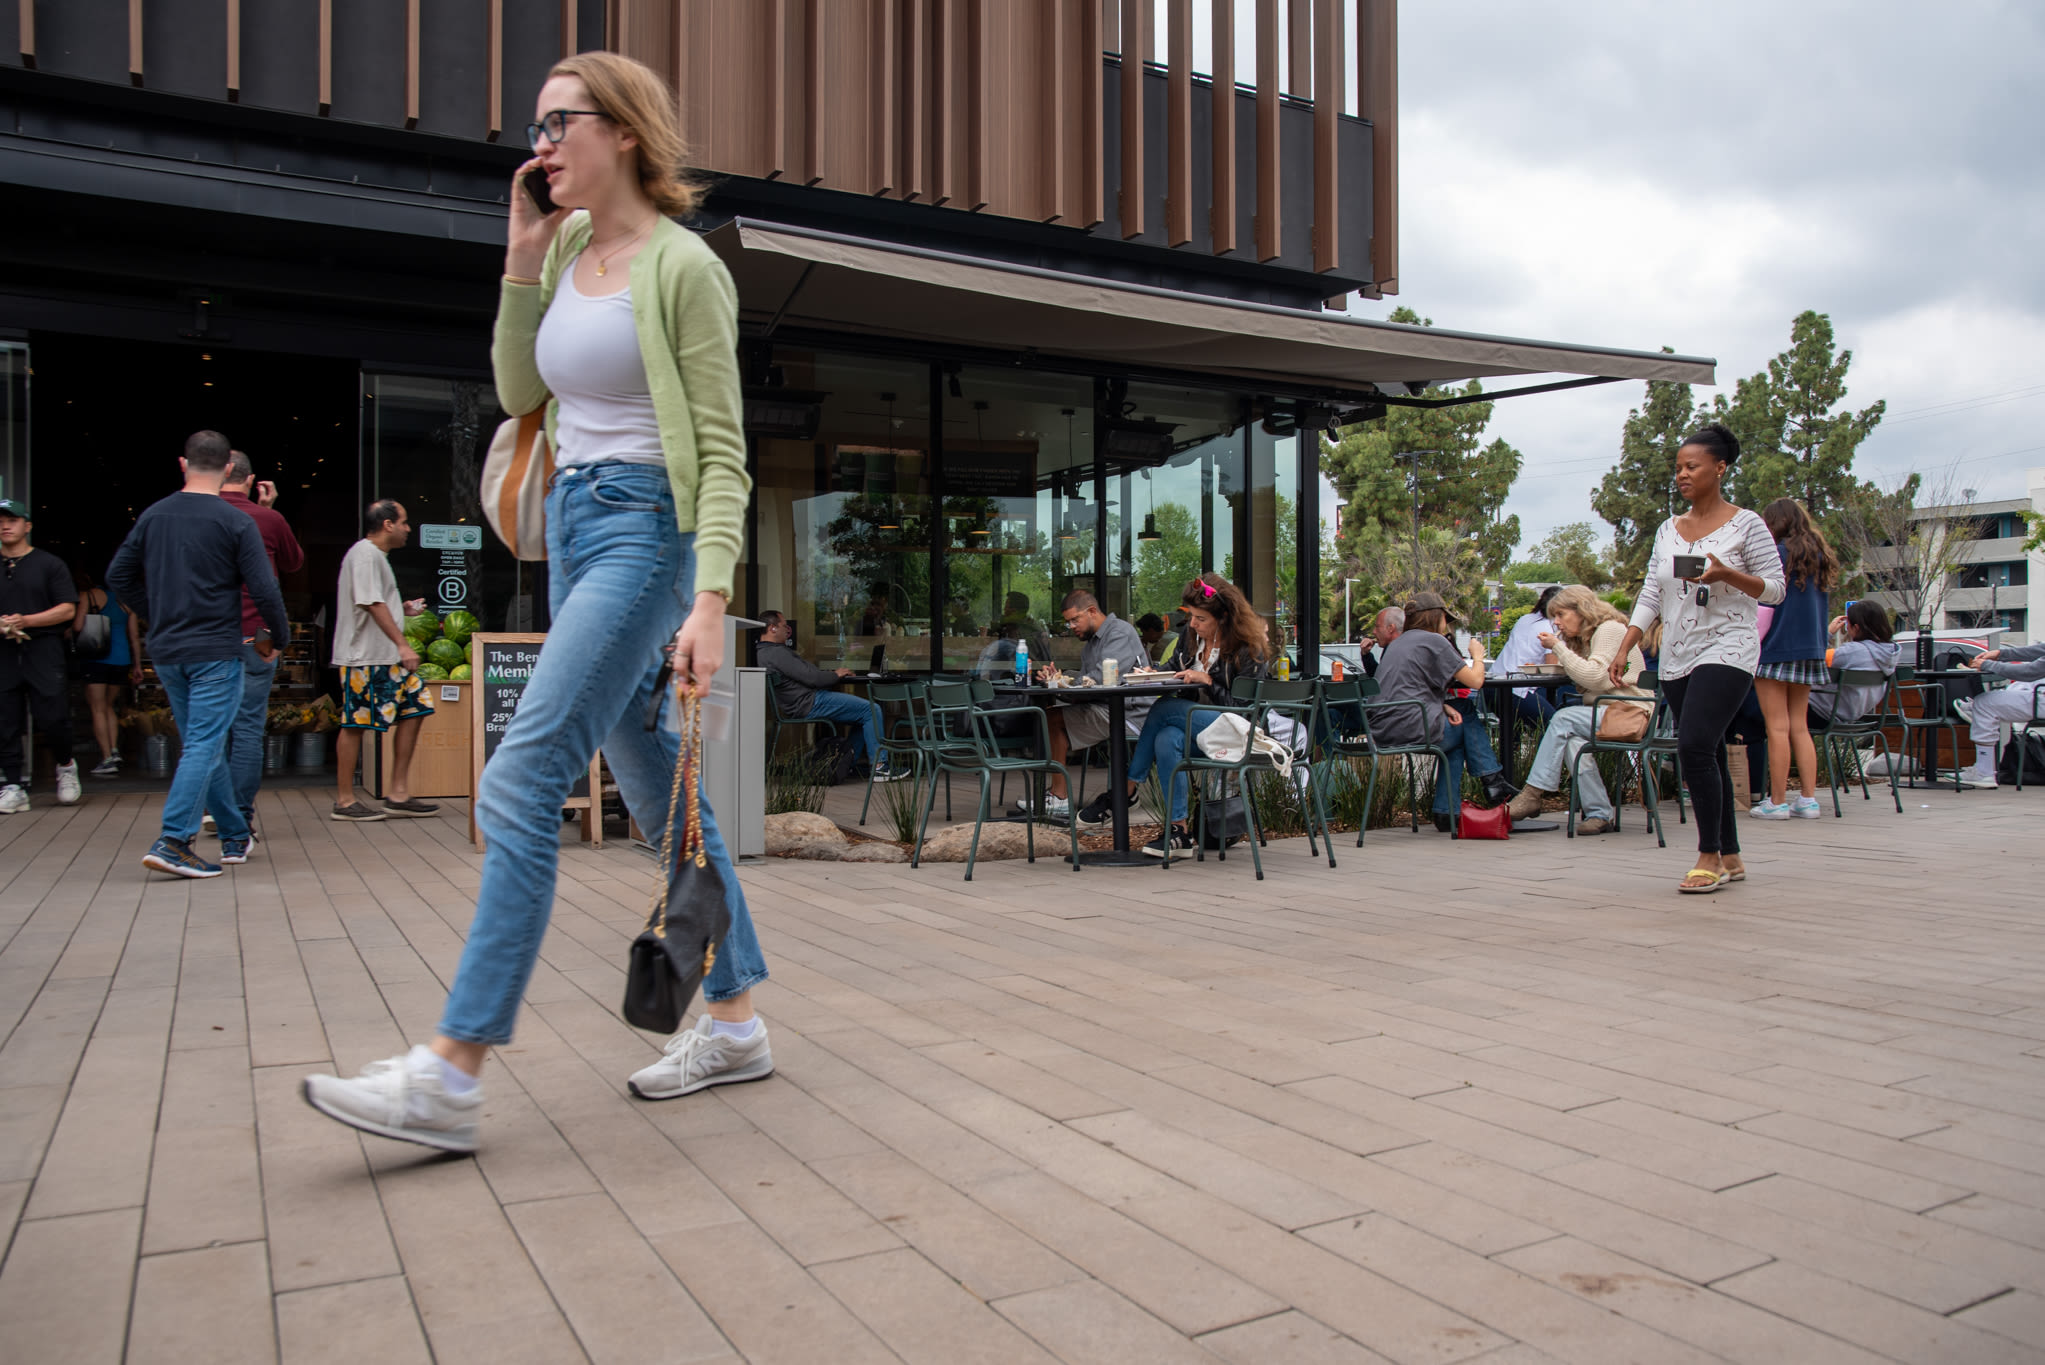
[(458, 546)]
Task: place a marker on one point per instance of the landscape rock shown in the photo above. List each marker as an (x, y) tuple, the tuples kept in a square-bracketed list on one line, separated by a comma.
[(873, 853), (999, 840), (798, 831)]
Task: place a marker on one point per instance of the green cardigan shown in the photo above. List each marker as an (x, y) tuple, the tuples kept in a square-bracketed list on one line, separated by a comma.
[(686, 310)]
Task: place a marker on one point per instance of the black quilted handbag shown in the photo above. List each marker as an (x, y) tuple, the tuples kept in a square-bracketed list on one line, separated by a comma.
[(676, 949)]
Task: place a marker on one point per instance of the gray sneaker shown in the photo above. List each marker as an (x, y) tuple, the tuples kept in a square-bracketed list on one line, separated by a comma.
[(699, 1058), (402, 1098)]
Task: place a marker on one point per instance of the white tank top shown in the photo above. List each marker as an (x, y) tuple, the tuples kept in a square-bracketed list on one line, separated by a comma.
[(588, 353)]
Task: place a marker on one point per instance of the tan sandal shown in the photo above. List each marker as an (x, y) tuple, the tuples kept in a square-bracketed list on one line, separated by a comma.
[(1718, 879)]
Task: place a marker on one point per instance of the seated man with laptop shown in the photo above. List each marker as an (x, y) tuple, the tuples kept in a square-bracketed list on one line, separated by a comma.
[(805, 690)]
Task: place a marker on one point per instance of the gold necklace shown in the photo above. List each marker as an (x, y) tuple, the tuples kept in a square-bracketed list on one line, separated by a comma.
[(603, 260)]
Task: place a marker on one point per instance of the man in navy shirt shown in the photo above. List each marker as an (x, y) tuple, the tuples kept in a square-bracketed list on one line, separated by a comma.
[(36, 605), (183, 569)]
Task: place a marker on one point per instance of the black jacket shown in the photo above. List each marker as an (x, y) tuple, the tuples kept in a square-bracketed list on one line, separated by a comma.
[(1225, 671)]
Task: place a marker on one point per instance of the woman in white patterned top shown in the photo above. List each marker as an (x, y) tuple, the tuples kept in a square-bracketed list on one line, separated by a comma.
[(1710, 645)]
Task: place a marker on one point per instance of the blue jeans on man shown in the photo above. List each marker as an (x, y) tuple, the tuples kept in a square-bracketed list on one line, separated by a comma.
[(245, 740), (204, 698), (846, 709)]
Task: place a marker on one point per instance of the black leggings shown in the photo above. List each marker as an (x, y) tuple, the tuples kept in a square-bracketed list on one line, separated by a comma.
[(1705, 703)]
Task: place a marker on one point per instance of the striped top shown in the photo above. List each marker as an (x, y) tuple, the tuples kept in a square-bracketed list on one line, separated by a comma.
[(1722, 631)]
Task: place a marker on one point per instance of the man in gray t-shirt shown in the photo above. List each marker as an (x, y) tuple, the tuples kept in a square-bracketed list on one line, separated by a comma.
[(380, 684), (1082, 725)]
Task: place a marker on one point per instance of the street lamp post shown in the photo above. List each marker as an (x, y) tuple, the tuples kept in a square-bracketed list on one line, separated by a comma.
[(1346, 636)]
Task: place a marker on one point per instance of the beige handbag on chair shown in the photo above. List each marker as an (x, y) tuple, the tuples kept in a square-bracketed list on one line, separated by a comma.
[(516, 473)]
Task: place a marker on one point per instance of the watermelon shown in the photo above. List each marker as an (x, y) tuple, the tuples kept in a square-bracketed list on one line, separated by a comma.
[(460, 625), (446, 653), (424, 626), (460, 673), (432, 673)]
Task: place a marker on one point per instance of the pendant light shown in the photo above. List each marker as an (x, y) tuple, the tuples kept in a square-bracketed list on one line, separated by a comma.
[(1068, 525)]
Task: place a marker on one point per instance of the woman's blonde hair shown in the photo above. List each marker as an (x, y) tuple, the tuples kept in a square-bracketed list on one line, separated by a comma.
[(634, 97), (1591, 610)]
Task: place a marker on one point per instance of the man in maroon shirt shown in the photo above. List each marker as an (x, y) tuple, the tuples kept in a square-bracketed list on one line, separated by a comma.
[(259, 657)]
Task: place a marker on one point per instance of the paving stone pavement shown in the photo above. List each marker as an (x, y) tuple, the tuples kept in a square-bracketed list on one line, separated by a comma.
[(1503, 1103)]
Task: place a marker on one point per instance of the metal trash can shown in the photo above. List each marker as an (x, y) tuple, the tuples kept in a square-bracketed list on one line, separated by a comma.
[(308, 751), (276, 754), (157, 759)]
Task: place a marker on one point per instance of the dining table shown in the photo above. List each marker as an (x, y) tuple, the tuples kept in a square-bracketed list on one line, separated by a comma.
[(1497, 695), (1117, 700)]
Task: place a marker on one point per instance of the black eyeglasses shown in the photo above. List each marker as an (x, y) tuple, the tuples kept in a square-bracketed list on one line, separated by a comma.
[(553, 125)]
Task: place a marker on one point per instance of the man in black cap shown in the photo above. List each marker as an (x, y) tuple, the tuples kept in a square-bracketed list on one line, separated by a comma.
[(37, 602)]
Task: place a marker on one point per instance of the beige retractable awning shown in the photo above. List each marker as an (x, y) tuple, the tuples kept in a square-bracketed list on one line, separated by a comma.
[(799, 277)]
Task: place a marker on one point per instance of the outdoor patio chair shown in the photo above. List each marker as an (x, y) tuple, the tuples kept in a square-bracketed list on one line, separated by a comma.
[(1635, 755), (966, 745), (1012, 746), (2020, 733), (1299, 701), (1934, 713), (1343, 708), (1213, 774), (906, 737), (1661, 747), (779, 720), (1841, 738)]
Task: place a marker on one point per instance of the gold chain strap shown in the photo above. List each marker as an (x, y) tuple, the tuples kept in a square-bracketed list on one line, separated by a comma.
[(687, 774)]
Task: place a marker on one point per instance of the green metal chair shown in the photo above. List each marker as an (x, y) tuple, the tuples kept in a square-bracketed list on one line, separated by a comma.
[(1210, 772), (1012, 746), (965, 744), (779, 720), (1661, 746), (1933, 715), (2020, 732), (1841, 738), (1299, 701), (1635, 755), (1340, 706), (906, 737)]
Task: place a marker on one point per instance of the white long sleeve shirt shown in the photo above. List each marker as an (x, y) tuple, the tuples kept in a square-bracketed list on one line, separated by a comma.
[(1723, 630)]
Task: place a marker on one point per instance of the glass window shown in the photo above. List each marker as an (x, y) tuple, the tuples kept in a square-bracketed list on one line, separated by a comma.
[(1022, 516), (14, 422), (1182, 452), (844, 527), (427, 437)]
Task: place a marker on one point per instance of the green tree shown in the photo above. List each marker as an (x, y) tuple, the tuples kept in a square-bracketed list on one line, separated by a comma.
[(1569, 554), (1462, 486), (1164, 566), (1639, 493), (1796, 440)]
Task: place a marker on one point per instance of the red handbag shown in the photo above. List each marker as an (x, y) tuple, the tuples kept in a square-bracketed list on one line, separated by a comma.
[(1477, 822)]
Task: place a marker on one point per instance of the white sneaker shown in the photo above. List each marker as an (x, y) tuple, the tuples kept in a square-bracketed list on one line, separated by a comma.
[(13, 798), (403, 1098), (1983, 778), (1805, 808), (68, 790), (1965, 707), (698, 1058), (208, 823), (1768, 810)]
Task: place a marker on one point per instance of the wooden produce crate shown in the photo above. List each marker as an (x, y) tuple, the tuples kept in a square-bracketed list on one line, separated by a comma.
[(440, 764)]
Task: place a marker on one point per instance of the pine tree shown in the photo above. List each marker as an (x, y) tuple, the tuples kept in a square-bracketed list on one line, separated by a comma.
[(1640, 492)]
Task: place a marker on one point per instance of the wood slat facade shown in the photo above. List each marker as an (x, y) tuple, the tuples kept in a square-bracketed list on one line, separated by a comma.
[(1044, 111)]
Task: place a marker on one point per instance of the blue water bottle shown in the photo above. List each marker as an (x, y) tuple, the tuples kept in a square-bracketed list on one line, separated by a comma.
[(1022, 663)]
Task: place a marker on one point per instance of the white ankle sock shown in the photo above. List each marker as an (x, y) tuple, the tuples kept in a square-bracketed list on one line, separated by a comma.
[(452, 1078), (743, 1032)]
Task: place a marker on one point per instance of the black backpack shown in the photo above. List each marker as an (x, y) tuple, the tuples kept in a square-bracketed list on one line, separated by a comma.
[(836, 756), (2032, 746)]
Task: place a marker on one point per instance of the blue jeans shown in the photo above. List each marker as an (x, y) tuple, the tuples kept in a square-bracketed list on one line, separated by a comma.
[(620, 580), (203, 698), (245, 740), (847, 709), (1562, 747), (1163, 742), (1468, 743)]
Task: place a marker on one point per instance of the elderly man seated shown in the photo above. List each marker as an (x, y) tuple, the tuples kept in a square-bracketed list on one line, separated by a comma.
[(1084, 724), (804, 690)]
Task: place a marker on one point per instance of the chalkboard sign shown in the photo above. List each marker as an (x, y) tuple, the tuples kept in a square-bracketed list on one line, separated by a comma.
[(502, 667)]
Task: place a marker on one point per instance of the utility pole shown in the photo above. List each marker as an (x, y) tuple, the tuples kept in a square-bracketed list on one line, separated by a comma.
[(1411, 459)]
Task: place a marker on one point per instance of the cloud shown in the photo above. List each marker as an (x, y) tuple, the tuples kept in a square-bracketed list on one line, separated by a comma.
[(1640, 175)]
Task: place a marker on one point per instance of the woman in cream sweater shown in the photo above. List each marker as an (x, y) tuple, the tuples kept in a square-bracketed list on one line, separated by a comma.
[(1587, 637)]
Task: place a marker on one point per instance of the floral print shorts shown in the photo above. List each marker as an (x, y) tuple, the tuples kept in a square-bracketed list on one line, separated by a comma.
[(378, 696)]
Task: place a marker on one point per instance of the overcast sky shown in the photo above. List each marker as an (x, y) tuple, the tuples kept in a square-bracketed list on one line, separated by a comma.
[(1694, 175)]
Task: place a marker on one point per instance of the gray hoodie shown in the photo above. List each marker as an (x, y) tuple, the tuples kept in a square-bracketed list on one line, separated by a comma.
[(1874, 655), (2019, 663)]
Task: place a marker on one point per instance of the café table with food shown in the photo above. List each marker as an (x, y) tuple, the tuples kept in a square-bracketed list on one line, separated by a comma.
[(1115, 691)]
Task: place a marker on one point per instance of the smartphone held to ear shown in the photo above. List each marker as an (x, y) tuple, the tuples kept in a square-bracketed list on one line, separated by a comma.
[(1689, 566), (535, 182)]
